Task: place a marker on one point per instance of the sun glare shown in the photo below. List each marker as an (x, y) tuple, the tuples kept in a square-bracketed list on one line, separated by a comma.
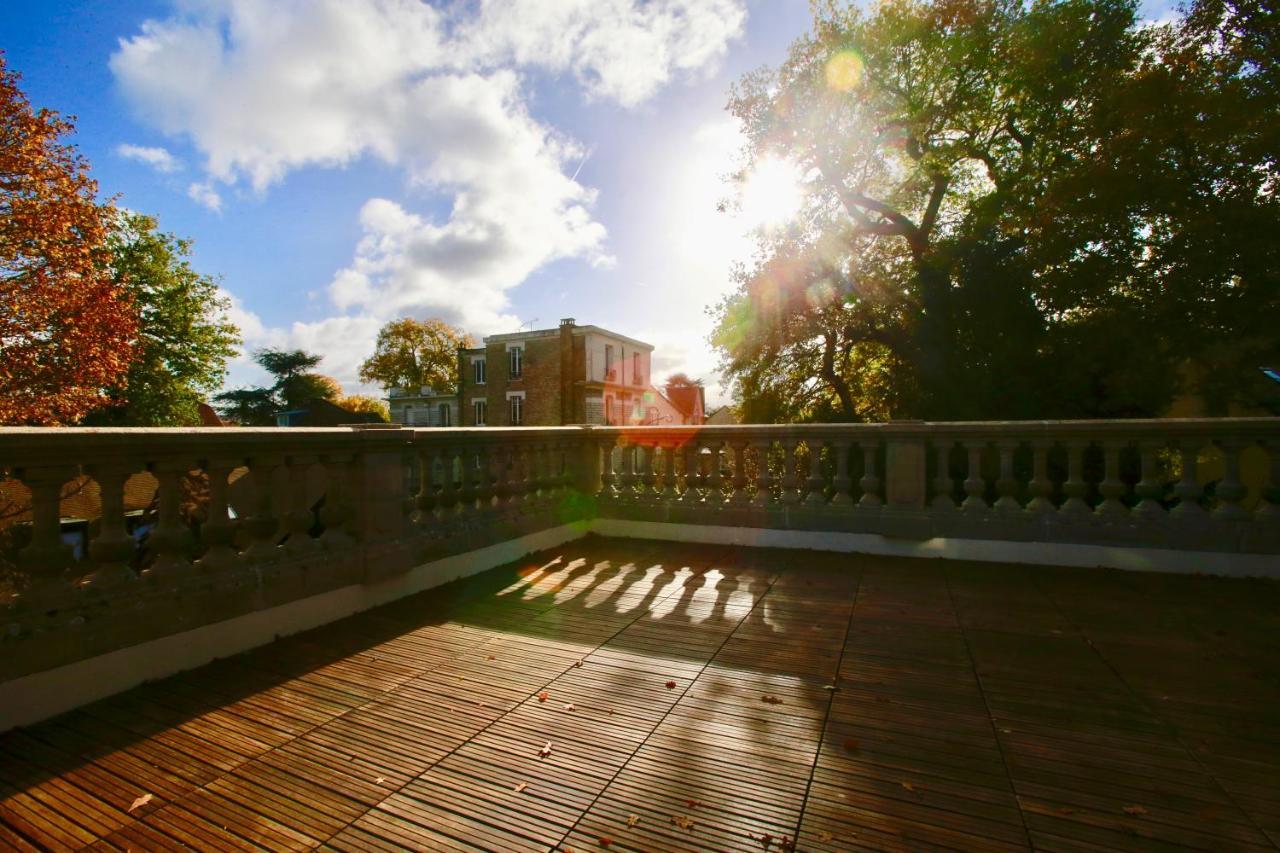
[(771, 194)]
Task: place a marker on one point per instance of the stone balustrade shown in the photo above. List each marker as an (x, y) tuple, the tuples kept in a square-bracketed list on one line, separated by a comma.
[(246, 520)]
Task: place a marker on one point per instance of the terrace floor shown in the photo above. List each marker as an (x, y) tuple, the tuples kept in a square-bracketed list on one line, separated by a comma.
[(683, 698)]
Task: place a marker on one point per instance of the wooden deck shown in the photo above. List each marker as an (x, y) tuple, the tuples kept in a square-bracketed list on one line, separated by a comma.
[(658, 696)]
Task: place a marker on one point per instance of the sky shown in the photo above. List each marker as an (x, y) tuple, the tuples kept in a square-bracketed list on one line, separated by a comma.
[(499, 164), (340, 163)]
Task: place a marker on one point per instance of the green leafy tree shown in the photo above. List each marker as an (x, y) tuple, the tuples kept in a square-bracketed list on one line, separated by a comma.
[(295, 384), (1013, 210), (416, 353), (184, 338)]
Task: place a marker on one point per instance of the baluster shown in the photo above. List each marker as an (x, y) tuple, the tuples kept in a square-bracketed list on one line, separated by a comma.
[(670, 480), (1112, 488), (1268, 510), (448, 487), (170, 539), (715, 477), (262, 525), (1041, 487), (485, 490), (607, 476), (689, 453), (841, 482), (519, 478), (504, 457), (648, 475), (1150, 488), (764, 473), (790, 477), (816, 483), (943, 485), (1076, 488), (113, 548), (869, 483), (47, 555), (467, 480), (628, 491), (217, 531), (1230, 490), (1188, 489), (336, 514), (299, 519), (425, 500), (740, 495), (974, 484), (1007, 485)]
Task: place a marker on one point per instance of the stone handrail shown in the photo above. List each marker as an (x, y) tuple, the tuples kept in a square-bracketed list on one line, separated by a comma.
[(247, 519)]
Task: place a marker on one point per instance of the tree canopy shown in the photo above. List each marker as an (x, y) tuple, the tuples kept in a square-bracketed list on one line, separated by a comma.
[(67, 327), (295, 384), (184, 336), (1012, 210), (416, 353)]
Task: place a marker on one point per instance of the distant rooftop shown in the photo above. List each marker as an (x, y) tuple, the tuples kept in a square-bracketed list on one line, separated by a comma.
[(529, 334)]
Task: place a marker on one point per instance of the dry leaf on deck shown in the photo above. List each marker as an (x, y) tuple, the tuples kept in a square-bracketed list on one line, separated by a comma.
[(851, 744), (1134, 810), (671, 685), (543, 696), (907, 786), (379, 780), (520, 788), (577, 663), (605, 841), (545, 751), (140, 802), (569, 706), (632, 820), (682, 821), (825, 836), (693, 804), (772, 700)]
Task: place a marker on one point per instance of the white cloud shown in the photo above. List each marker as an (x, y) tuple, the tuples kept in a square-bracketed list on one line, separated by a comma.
[(203, 194), (265, 87), (157, 158)]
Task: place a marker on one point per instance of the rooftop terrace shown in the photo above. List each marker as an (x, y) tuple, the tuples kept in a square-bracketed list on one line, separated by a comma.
[(662, 696)]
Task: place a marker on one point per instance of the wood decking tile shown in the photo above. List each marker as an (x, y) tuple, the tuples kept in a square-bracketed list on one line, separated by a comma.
[(821, 701)]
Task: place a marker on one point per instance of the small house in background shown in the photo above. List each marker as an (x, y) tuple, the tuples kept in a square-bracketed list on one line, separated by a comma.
[(722, 416), (422, 407)]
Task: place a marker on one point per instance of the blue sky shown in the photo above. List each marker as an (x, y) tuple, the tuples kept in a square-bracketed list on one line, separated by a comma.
[(339, 163)]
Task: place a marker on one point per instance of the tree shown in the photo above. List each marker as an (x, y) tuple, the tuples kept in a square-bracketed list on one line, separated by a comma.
[(66, 327), (416, 353), (295, 385), (361, 404), (184, 339), (1009, 212)]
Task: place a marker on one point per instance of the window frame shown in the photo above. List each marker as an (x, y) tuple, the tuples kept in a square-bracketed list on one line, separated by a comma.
[(515, 362), (479, 371), (480, 412), (515, 409)]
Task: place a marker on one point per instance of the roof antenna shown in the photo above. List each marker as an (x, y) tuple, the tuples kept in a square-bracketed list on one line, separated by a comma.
[(530, 324)]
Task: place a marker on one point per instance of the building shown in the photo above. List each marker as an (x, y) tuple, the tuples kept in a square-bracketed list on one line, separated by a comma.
[(318, 412), (569, 375), (422, 407)]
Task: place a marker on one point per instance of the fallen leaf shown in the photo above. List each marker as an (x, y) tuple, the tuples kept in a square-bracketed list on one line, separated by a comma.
[(1134, 810), (570, 707), (632, 820), (682, 821), (543, 696), (1066, 810), (825, 836), (520, 788), (140, 802), (379, 780), (693, 804), (907, 786), (491, 657), (610, 712), (772, 700), (605, 841), (545, 751), (830, 687), (851, 744), (671, 685), (577, 663)]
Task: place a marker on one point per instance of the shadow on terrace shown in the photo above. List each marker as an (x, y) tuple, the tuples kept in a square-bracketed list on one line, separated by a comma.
[(653, 695)]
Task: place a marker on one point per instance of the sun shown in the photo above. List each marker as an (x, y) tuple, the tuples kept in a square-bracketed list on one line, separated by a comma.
[(771, 193)]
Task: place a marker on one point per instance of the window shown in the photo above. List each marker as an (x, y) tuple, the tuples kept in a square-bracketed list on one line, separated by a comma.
[(608, 363), (517, 410), (445, 415), (477, 368), (480, 407), (635, 368), (516, 354)]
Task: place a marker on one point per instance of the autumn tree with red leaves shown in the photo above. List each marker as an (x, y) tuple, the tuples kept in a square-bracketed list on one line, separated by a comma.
[(67, 330)]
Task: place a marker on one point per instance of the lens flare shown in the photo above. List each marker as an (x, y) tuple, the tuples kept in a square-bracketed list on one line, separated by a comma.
[(771, 194), (844, 71)]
